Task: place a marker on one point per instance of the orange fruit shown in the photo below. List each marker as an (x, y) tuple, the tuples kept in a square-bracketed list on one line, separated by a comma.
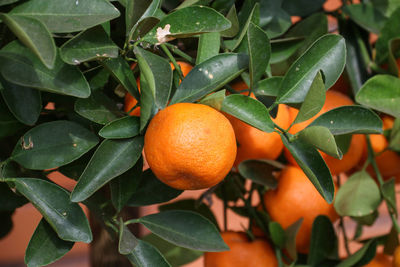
[(396, 257), (380, 260), (242, 253), (190, 146), (295, 198), (333, 100), (130, 101)]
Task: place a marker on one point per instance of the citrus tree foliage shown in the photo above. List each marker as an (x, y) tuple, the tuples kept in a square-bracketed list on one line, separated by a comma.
[(65, 66)]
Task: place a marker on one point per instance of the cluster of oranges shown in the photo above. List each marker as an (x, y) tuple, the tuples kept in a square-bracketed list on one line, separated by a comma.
[(193, 146)]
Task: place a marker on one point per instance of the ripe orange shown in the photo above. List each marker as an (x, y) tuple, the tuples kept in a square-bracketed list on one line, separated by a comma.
[(333, 100), (190, 146), (242, 253), (396, 257), (380, 260), (295, 198), (130, 101)]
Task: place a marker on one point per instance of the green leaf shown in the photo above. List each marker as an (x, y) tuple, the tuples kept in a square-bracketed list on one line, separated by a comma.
[(68, 16), (389, 193), (143, 27), (151, 191), (92, 44), (9, 125), (302, 8), (248, 110), (231, 188), (359, 196), (314, 100), (145, 255), (186, 229), (147, 102), (125, 127), (259, 52), (123, 187), (367, 16), (259, 172), (388, 32), (328, 54), (98, 108), (7, 2), (127, 241), (291, 234), (45, 246), (273, 19), (283, 49), (320, 137), (394, 48), (324, 243), (394, 143), (368, 220), (277, 234), (349, 119), (53, 144), (139, 16), (176, 256), (134, 11), (209, 45), (198, 19), (111, 159), (381, 92), (234, 29), (120, 70), (364, 254), (20, 66), (65, 217), (34, 34), (267, 87), (209, 76), (25, 103), (313, 165), (214, 100), (9, 201)]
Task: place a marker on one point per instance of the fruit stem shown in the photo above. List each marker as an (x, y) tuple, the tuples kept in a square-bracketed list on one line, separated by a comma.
[(171, 57), (180, 53)]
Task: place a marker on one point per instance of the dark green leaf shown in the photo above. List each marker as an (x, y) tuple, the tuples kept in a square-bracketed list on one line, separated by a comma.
[(368, 220), (366, 253), (65, 217), (147, 102), (53, 144), (152, 191), (34, 35), (394, 48), (186, 229), (92, 44), (327, 54), (127, 241), (145, 255), (381, 92), (6, 223), (231, 188), (7, 2), (9, 201), (209, 76), (234, 29), (143, 27), (350, 119), (302, 8), (320, 137), (9, 125), (277, 234), (248, 110), (45, 246), (209, 44), (268, 87), (282, 50), (134, 11), (111, 159), (291, 234), (343, 142), (313, 165), (259, 172), (68, 16), (273, 19), (359, 196), (388, 32), (366, 15), (389, 193), (394, 143), (214, 100), (125, 127), (98, 108), (392, 241), (25, 103), (141, 17), (20, 66)]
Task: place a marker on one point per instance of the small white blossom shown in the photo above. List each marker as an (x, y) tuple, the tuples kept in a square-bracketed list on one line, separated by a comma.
[(162, 34)]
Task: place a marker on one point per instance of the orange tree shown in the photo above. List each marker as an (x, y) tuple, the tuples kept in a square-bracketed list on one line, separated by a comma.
[(65, 67)]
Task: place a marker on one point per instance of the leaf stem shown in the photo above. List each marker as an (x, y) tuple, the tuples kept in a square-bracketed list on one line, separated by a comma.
[(342, 226), (180, 53), (131, 221), (169, 55)]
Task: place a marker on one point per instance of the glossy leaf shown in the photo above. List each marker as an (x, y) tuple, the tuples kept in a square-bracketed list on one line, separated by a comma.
[(326, 54), (381, 92), (282, 50), (9, 125), (267, 87), (394, 47), (111, 159), (147, 102), (65, 217), (45, 246), (248, 110), (198, 19), (350, 119), (291, 234), (9, 200), (259, 172), (366, 15), (232, 17), (34, 34), (313, 165), (395, 136), (359, 196), (127, 241), (152, 191), (176, 256), (92, 44), (25, 103), (145, 255), (389, 193), (209, 76), (314, 100), (125, 127), (365, 253), (209, 45), (388, 32), (7, 2), (134, 11), (214, 100), (62, 79), (302, 8), (273, 19), (277, 234), (53, 144), (186, 229), (143, 27), (98, 108), (68, 16), (320, 137)]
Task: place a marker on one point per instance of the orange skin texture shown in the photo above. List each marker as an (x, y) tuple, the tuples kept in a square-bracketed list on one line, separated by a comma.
[(396, 257), (190, 146), (130, 101), (353, 156), (380, 260), (242, 253), (295, 198)]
